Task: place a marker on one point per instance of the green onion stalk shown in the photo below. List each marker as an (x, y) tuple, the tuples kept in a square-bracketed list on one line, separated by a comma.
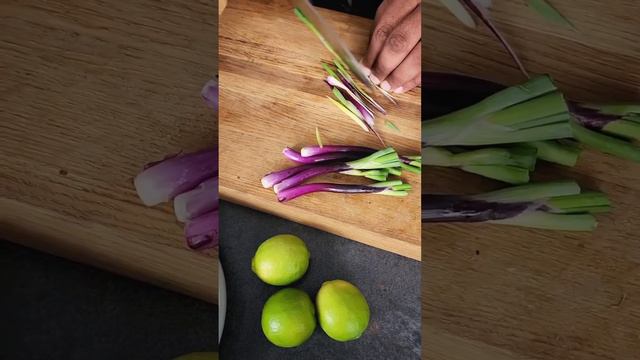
[(552, 205), (511, 164), (534, 111), (610, 128)]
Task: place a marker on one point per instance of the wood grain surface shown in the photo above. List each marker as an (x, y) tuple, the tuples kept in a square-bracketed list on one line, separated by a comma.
[(89, 92), (492, 292), (272, 96)]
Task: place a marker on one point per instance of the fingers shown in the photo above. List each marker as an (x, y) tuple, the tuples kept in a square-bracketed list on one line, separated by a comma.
[(406, 71), (389, 14), (409, 85), (398, 45)]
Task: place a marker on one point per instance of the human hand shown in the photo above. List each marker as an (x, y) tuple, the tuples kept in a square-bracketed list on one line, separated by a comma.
[(394, 54)]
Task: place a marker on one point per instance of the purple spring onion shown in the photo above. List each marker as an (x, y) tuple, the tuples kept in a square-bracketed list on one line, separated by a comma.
[(554, 206), (272, 178), (191, 181), (165, 179), (310, 151), (210, 94), (308, 174), (391, 188), (193, 203), (293, 155), (202, 232)]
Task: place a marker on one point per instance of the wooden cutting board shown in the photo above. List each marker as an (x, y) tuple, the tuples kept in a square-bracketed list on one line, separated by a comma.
[(496, 292), (272, 96), (89, 92)]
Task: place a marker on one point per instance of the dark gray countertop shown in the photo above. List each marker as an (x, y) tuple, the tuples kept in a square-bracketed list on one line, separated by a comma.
[(51, 308), (390, 283)]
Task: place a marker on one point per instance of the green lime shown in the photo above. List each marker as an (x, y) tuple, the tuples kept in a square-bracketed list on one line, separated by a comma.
[(342, 309), (281, 260), (288, 318), (199, 356)]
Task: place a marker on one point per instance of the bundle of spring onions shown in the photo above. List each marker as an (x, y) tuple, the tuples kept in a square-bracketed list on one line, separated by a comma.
[(191, 181), (610, 128), (536, 122), (534, 111), (359, 161), (553, 205)]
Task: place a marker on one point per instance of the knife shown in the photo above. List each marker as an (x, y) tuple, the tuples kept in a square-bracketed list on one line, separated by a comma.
[(332, 38)]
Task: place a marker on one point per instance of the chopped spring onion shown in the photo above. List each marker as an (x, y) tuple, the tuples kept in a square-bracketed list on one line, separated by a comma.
[(191, 181), (390, 124), (350, 100), (353, 85), (559, 152), (350, 113), (605, 143)]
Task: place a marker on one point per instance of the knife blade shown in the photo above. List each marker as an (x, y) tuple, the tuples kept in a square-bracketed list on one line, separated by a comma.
[(331, 36)]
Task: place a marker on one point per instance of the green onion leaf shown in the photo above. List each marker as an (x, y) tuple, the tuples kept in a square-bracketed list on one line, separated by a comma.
[(549, 13), (391, 125), (353, 117)]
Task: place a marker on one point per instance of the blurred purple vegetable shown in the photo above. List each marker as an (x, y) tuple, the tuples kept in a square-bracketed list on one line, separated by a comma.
[(165, 179), (195, 202), (293, 155), (202, 232), (210, 94)]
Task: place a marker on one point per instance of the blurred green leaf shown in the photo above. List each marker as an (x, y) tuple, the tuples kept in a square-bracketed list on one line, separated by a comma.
[(549, 13)]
